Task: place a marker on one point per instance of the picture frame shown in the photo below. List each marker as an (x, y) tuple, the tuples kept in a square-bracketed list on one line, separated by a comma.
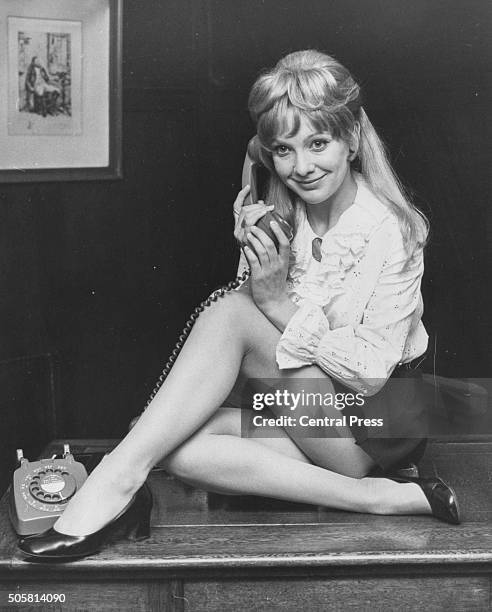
[(60, 90)]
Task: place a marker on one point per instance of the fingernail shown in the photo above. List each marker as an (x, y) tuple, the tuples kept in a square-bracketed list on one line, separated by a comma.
[(273, 223)]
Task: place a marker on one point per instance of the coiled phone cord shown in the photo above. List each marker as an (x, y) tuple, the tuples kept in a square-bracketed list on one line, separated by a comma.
[(218, 293)]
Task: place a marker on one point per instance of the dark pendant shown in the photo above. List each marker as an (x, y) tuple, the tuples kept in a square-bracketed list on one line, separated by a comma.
[(316, 249)]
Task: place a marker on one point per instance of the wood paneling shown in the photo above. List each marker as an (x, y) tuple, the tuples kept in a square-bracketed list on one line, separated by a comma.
[(382, 594), (28, 409)]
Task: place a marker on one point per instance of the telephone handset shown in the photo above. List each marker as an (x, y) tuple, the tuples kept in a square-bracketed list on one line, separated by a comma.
[(250, 176), (40, 490)]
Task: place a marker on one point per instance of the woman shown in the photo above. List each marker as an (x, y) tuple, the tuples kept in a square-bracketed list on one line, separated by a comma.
[(341, 305)]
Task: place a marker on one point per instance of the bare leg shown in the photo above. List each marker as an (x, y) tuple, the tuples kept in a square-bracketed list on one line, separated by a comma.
[(217, 459), (230, 337)]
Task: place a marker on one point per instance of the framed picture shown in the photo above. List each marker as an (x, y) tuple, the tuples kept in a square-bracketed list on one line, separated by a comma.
[(60, 90)]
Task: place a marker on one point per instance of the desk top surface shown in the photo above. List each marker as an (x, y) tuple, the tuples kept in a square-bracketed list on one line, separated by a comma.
[(197, 531)]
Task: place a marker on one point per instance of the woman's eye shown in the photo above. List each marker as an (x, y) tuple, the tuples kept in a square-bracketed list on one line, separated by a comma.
[(281, 150), (319, 144)]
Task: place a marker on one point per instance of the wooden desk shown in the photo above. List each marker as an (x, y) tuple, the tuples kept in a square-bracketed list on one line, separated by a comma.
[(209, 552)]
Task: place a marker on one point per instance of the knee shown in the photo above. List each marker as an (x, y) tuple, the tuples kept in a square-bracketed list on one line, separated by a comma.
[(226, 308), (235, 302), (194, 465), (194, 459), (235, 313), (183, 462), (179, 463)]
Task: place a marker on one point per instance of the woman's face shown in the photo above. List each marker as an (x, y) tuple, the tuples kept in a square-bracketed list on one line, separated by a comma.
[(312, 164)]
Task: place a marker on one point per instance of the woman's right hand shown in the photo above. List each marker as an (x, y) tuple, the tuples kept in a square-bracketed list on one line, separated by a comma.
[(247, 215)]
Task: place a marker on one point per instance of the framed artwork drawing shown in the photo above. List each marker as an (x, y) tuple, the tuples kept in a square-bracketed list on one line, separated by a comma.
[(60, 90)]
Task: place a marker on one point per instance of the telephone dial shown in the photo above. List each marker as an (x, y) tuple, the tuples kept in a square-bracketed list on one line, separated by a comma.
[(41, 489), (256, 176)]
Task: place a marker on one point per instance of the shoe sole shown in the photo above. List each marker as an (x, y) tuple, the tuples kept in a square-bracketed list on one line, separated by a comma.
[(57, 557)]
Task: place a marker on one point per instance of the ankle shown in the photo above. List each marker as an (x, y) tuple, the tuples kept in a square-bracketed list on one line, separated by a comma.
[(127, 479), (382, 496), (389, 497)]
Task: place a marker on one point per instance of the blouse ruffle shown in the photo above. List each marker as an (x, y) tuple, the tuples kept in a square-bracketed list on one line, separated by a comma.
[(341, 249)]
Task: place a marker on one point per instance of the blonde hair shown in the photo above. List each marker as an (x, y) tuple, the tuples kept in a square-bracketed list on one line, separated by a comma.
[(312, 85)]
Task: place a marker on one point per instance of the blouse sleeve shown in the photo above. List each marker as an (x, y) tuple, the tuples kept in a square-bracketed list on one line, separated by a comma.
[(362, 355)]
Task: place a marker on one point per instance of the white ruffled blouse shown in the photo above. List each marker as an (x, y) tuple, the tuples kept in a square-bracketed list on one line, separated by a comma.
[(360, 307)]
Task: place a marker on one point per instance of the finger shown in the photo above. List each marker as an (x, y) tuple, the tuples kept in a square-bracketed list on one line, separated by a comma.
[(253, 216), (240, 199), (240, 219), (260, 250), (238, 230), (252, 259), (251, 208), (260, 205), (248, 216), (283, 242), (266, 241), (238, 234)]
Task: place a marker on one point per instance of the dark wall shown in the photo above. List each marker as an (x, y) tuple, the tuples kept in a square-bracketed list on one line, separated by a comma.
[(104, 274)]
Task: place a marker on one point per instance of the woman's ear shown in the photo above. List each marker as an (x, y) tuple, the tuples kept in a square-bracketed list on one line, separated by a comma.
[(354, 142)]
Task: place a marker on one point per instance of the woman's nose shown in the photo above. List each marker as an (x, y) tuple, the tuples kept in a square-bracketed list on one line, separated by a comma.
[(303, 166)]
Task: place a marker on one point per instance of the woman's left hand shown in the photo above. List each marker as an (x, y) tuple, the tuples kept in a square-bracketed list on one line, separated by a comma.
[(268, 267)]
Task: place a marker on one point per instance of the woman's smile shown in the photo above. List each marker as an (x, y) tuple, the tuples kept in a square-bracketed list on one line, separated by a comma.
[(310, 183)]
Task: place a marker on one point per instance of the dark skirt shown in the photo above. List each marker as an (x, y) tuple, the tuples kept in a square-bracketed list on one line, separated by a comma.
[(400, 404)]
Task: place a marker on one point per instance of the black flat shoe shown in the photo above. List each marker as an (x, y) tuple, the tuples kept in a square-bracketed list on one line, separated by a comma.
[(133, 521), (441, 497)]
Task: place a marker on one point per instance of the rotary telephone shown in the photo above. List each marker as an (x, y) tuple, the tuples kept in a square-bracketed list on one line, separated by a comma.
[(256, 176), (41, 489)]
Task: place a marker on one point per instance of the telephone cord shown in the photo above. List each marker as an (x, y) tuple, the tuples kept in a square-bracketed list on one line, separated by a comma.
[(218, 293)]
